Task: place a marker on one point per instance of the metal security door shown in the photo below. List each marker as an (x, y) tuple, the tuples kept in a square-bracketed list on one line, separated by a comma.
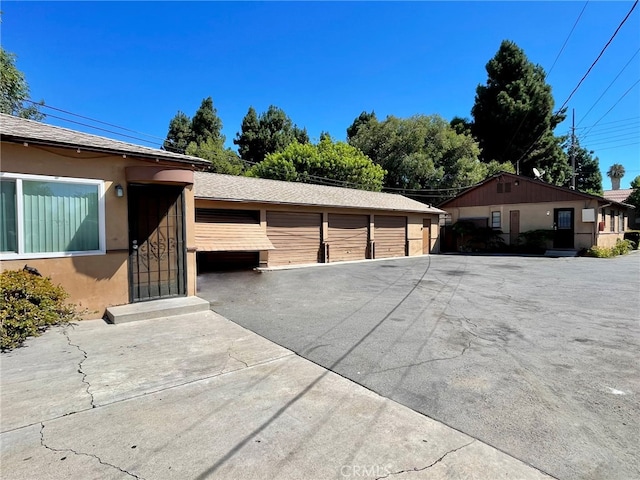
[(157, 248)]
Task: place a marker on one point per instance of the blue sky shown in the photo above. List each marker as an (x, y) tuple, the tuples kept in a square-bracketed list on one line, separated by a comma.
[(135, 64)]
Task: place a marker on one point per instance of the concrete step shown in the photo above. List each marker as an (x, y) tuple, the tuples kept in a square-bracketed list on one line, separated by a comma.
[(562, 252), (156, 309)]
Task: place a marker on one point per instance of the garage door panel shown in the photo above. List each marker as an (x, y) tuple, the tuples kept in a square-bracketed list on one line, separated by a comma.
[(229, 231), (296, 237), (390, 236), (348, 237)]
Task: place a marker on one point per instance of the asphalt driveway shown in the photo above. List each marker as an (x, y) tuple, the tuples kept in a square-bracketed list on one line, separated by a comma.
[(537, 357)]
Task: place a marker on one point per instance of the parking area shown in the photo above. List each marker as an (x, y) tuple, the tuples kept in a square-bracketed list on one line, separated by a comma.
[(537, 357)]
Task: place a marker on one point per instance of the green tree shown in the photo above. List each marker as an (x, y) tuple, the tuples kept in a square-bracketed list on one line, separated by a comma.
[(327, 162), (588, 176), (201, 137), (359, 121), (14, 90), (270, 132), (634, 198), (615, 173), (422, 152), (180, 134), (513, 117)]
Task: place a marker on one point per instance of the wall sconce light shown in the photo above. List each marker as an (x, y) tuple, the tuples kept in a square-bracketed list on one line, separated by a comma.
[(119, 191)]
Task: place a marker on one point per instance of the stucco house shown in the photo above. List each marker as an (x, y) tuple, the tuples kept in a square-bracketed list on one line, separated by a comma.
[(110, 221), (515, 204), (621, 195), (116, 223), (242, 221)]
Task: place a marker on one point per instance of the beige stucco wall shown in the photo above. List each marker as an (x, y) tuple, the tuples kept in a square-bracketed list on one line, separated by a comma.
[(414, 220), (537, 216), (94, 282)]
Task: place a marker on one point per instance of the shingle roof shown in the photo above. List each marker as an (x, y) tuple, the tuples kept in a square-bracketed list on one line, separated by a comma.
[(245, 189), (19, 130), (617, 195)]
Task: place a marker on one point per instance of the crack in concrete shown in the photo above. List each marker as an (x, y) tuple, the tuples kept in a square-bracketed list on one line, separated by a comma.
[(467, 347), (70, 450), (80, 371), (415, 469), (237, 359)]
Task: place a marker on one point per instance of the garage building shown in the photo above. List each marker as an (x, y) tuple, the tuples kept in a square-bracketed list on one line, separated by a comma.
[(246, 222)]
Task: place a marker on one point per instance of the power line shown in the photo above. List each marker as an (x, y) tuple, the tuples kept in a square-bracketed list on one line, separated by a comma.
[(607, 89), (600, 55), (619, 146), (615, 104), (94, 120), (609, 123), (567, 39), (609, 131)]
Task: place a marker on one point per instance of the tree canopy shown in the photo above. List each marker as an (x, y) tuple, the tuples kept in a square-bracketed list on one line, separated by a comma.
[(634, 198), (270, 132), (201, 137), (421, 152), (14, 90), (327, 162), (513, 117)]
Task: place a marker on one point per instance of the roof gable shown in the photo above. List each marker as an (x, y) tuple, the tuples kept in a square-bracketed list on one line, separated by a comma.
[(20, 130), (246, 189), (508, 188)]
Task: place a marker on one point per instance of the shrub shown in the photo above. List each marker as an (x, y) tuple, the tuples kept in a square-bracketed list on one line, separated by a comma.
[(30, 305), (634, 237), (534, 241), (622, 247)]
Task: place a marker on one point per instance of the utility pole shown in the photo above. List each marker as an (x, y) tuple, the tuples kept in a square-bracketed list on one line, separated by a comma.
[(573, 150)]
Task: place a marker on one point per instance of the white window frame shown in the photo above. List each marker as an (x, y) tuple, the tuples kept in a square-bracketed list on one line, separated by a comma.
[(499, 214), (19, 177)]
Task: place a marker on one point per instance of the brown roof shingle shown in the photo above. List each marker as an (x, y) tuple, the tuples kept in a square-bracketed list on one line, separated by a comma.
[(245, 189), (617, 195), (19, 130)]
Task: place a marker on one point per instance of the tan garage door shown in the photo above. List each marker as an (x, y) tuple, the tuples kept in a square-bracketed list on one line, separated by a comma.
[(348, 237), (390, 236), (229, 231), (295, 236)]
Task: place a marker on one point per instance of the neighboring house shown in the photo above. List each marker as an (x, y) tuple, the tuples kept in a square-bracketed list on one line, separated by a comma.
[(515, 204), (620, 196), (243, 221), (112, 222)]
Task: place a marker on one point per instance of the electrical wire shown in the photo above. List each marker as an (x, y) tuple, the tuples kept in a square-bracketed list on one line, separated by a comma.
[(615, 104), (607, 89), (600, 55)]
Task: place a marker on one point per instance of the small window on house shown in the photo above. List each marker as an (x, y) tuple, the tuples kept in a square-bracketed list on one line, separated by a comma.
[(507, 187), (500, 187), (495, 220), (50, 216), (612, 221), (621, 218)]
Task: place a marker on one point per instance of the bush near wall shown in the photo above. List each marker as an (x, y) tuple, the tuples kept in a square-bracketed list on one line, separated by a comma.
[(30, 305), (621, 247)]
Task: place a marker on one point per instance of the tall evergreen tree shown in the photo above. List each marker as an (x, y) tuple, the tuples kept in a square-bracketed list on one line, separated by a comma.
[(179, 135), (359, 121), (513, 116), (206, 123), (270, 132)]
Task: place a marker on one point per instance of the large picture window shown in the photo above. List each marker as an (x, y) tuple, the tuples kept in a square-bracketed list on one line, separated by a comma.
[(50, 216)]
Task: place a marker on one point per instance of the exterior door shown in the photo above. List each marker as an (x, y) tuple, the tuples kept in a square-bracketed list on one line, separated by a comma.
[(426, 236), (514, 226), (157, 253), (563, 219)]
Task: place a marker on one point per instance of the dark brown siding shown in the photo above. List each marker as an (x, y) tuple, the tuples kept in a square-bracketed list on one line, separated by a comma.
[(295, 236), (504, 191), (390, 236), (348, 237)]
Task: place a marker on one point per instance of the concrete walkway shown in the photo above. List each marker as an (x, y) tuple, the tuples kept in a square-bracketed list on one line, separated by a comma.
[(197, 396)]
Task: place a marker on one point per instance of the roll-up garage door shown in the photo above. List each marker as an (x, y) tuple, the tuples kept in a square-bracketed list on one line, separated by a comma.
[(295, 236), (230, 231), (390, 236), (348, 237)]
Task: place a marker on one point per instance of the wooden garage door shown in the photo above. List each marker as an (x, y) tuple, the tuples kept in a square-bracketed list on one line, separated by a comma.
[(295, 236), (230, 231), (348, 237), (390, 236)]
